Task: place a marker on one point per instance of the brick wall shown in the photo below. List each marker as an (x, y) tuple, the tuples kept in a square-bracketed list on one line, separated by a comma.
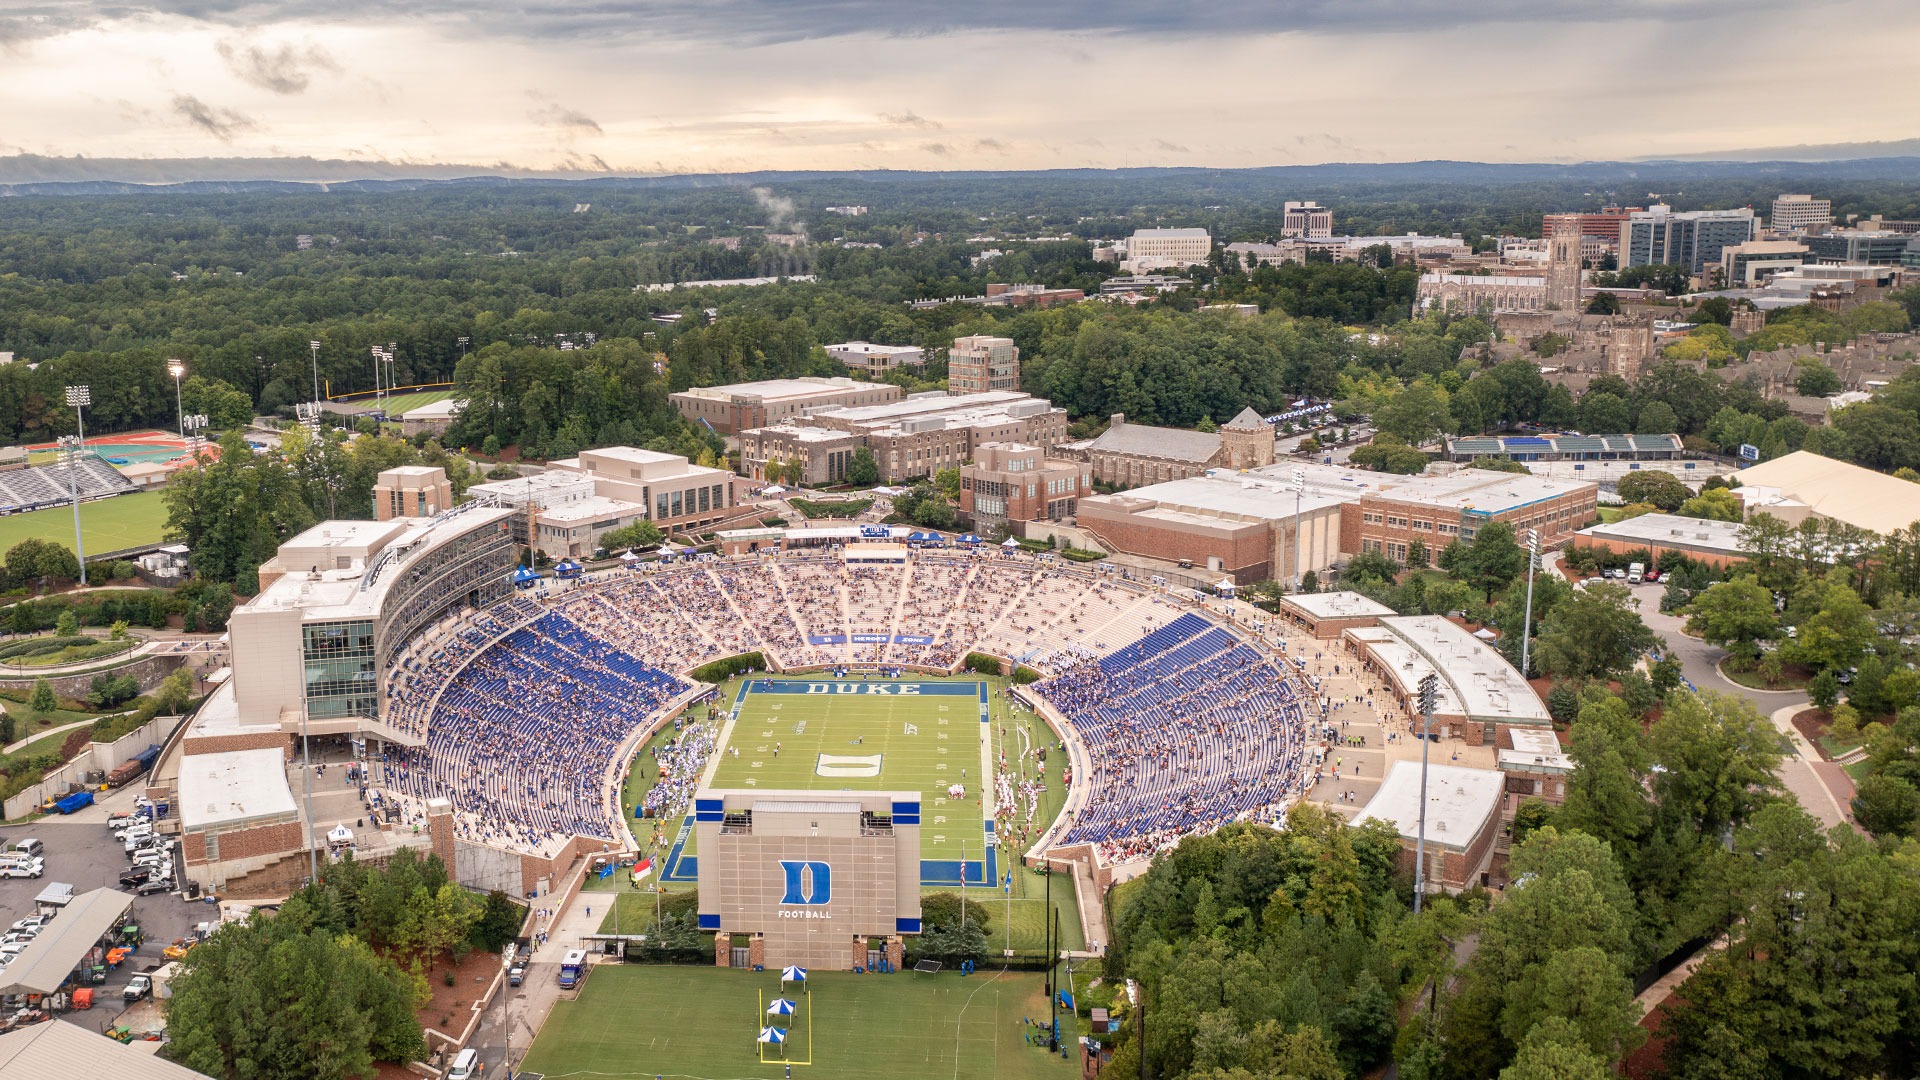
[(1621, 547), (1243, 548), (148, 669), (249, 843)]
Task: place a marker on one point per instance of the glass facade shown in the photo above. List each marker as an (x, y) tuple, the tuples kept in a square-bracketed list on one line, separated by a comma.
[(339, 662)]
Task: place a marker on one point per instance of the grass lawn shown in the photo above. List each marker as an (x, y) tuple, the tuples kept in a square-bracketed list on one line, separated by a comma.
[(107, 524), (72, 654), (400, 403), (1608, 515), (634, 1021), (1792, 677)]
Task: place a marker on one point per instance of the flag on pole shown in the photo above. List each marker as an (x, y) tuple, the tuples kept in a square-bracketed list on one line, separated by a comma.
[(642, 868)]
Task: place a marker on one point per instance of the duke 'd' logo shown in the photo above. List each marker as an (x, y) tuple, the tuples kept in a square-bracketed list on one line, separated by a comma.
[(808, 883)]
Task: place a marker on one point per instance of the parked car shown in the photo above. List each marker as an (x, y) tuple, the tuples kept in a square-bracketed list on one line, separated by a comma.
[(517, 973), (137, 987), (18, 870), (32, 922), (139, 875), (154, 885)]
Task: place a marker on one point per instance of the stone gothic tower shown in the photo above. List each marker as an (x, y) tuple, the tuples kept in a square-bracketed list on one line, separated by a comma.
[(1246, 441), (1563, 266)]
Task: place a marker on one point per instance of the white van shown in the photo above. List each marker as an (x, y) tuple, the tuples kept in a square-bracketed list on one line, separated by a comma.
[(1635, 573), (30, 846), (465, 1065)]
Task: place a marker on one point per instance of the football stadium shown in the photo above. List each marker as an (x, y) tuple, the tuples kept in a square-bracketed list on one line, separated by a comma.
[(811, 739)]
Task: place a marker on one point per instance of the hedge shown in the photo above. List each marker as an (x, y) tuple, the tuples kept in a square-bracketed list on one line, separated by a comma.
[(1024, 675), (721, 670), (35, 646), (1073, 554), (850, 508), (981, 663)]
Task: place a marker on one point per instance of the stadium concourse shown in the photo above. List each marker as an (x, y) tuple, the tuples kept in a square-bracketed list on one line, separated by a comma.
[(528, 711)]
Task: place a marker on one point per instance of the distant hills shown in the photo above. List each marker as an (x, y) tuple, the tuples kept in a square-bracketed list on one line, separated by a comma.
[(30, 174)]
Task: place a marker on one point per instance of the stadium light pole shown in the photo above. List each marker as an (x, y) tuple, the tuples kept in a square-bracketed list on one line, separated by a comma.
[(314, 348), (1526, 621), (1299, 490), (79, 397), (176, 369), (1429, 693)]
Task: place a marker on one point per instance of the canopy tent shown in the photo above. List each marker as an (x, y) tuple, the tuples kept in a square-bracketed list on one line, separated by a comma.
[(47, 962), (523, 574), (1225, 587), (780, 1007), (340, 834), (772, 1035), (969, 539), (1009, 542), (774, 490), (629, 557), (793, 974), (1485, 634)]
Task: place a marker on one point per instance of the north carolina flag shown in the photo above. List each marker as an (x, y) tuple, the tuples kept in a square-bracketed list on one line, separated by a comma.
[(642, 869)]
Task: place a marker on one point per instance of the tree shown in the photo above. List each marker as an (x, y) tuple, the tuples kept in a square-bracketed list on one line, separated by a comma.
[(68, 624), (268, 1000), (43, 699), (1491, 560), (1719, 760), (1734, 615), (1388, 453), (1840, 634), (1603, 413), (1557, 409), (1881, 437), (1818, 380), (862, 470), (1416, 414), (947, 482), (1371, 566), (640, 534), (1718, 504), (1657, 418), (1824, 690), (1886, 805), (1604, 304), (1655, 486), (1593, 634), (1417, 552)]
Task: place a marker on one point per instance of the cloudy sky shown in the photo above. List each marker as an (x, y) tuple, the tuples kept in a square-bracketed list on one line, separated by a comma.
[(729, 85)]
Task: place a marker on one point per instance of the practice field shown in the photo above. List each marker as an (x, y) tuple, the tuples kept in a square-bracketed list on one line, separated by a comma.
[(121, 448), (123, 521), (841, 735), (400, 403), (637, 1022)]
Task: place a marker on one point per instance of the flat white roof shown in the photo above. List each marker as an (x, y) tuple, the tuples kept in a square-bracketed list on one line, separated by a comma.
[(1672, 529), (1459, 802), (1163, 234), (588, 509), (343, 533), (233, 788), (1253, 497), (1337, 605), (1487, 685), (1536, 750), (776, 389)]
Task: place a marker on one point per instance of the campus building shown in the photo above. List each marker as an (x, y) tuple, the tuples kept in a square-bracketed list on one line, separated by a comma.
[(1480, 696), (1241, 524), (1716, 543), (980, 363), (813, 879), (914, 437), (1529, 448), (1016, 482), (877, 359), (627, 485), (1694, 239), (411, 491), (1462, 821), (1798, 213), (735, 407), (1306, 219), (1135, 454), (1154, 248)]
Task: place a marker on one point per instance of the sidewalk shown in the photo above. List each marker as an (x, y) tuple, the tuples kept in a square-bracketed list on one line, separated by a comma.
[(1809, 777)]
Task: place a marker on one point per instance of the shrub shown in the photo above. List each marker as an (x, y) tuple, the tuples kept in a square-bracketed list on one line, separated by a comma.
[(942, 909), (1023, 675), (1563, 703), (1074, 554), (981, 663), (43, 700), (721, 670), (40, 645)]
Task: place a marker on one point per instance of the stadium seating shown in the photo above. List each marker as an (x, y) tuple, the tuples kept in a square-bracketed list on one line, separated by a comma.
[(48, 485), (1187, 726)]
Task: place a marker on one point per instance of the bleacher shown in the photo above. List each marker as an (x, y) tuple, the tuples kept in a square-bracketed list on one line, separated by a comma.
[(39, 486)]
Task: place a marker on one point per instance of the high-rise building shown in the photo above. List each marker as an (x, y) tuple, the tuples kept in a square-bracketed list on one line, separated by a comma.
[(1693, 239), (1171, 247), (1563, 267), (980, 363), (1306, 219), (1604, 225), (1797, 213)]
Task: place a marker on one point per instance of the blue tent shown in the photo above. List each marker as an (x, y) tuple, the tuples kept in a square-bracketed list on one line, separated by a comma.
[(969, 539), (780, 1007), (793, 974), (772, 1035), (523, 576), (567, 569)]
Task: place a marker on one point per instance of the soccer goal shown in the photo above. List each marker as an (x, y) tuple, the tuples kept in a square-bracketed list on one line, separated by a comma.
[(927, 967)]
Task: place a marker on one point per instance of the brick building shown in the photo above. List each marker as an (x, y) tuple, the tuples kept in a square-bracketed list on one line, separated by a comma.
[(1136, 454), (1240, 524), (980, 363), (1016, 482), (915, 437), (876, 359), (735, 407), (411, 491), (1462, 820), (1481, 696)]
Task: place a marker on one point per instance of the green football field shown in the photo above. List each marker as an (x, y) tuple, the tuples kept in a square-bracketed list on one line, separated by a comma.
[(839, 735), (123, 521), (400, 403), (638, 1022)]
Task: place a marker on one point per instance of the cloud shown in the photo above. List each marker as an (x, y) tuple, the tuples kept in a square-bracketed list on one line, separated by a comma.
[(994, 145), (762, 22), (283, 70), (571, 120), (912, 120), (1162, 144), (938, 149), (222, 124)]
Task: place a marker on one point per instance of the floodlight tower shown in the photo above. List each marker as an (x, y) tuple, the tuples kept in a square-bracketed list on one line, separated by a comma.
[(1532, 538), (1299, 490), (79, 397), (314, 348), (176, 369), (1429, 695)]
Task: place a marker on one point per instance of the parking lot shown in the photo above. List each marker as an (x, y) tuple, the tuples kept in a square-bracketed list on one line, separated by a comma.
[(85, 855)]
